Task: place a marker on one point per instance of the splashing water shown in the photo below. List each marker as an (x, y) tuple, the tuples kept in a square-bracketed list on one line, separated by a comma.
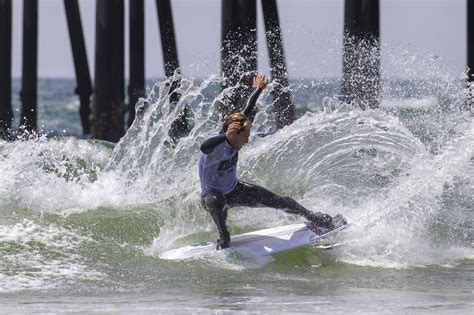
[(94, 212)]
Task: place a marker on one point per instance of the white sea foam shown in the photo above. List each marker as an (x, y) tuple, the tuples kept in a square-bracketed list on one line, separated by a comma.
[(411, 103), (397, 228), (38, 257)]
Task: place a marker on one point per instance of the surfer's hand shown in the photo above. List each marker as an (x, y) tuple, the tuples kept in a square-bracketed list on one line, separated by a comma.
[(232, 130), (259, 81)]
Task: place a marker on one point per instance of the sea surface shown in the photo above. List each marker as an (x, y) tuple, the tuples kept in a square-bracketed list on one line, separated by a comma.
[(82, 222)]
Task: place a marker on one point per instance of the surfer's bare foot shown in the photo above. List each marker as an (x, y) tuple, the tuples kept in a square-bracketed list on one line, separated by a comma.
[(339, 220), (221, 244), (320, 219)]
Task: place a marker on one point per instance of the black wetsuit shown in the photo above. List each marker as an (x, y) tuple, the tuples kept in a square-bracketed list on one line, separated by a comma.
[(221, 190)]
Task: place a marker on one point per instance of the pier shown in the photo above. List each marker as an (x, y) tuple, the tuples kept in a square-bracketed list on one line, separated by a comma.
[(102, 100)]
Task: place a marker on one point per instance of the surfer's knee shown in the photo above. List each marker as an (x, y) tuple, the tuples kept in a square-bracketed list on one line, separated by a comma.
[(285, 202), (214, 202)]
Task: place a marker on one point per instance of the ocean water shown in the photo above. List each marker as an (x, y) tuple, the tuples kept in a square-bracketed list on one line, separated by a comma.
[(82, 222)]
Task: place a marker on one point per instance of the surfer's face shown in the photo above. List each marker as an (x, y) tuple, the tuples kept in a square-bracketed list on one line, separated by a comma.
[(242, 137)]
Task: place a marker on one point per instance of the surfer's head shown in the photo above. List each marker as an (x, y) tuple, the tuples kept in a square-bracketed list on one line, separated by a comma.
[(237, 117), (242, 136)]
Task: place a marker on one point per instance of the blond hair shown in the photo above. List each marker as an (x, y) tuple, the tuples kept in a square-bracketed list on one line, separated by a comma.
[(237, 117)]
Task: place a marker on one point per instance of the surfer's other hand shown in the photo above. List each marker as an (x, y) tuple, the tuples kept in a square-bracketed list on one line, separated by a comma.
[(232, 130)]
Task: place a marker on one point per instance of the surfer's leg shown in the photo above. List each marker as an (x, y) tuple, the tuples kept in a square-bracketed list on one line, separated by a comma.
[(215, 203), (250, 195)]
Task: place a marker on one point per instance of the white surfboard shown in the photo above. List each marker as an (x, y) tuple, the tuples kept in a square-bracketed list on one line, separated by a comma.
[(259, 243)]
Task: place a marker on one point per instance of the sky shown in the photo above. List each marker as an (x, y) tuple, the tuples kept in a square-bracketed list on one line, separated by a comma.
[(312, 36)]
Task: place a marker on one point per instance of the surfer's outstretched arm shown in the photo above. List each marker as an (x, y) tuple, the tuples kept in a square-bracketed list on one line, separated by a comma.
[(259, 83)]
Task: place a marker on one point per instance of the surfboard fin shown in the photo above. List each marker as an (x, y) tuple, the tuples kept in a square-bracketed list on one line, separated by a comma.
[(324, 246)]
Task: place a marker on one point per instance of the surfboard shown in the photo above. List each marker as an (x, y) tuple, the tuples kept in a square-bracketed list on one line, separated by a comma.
[(258, 243)]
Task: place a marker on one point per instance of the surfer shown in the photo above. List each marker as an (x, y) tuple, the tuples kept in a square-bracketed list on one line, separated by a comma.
[(222, 190)]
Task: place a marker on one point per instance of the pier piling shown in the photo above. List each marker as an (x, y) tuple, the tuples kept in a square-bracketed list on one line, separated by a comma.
[(136, 88), (108, 104), (81, 65), (179, 127), (168, 45), (119, 57), (470, 39), (470, 53), (238, 52), (168, 40), (361, 57), (283, 104), (29, 82), (6, 113)]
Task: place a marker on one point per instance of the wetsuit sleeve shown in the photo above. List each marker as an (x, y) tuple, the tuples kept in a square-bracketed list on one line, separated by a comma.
[(211, 143), (251, 103)]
